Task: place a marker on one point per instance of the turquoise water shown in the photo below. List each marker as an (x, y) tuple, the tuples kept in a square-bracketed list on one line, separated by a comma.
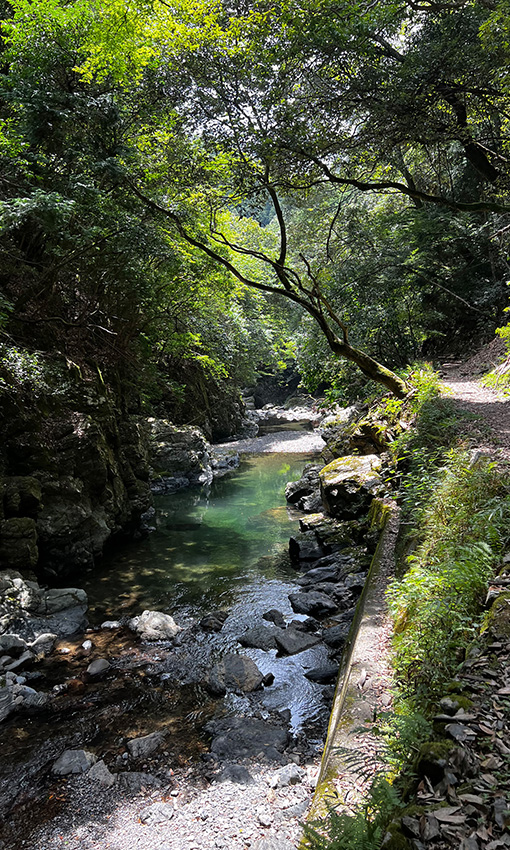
[(211, 547)]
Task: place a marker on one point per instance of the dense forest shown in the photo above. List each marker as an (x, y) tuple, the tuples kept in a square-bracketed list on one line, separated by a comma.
[(193, 192), (197, 197)]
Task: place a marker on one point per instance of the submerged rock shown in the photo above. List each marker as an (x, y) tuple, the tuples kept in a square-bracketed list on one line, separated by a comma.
[(142, 747)]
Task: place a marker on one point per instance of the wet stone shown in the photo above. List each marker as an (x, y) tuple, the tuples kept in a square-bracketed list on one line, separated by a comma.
[(313, 603), (73, 761), (323, 675), (292, 641), (98, 667), (144, 746), (276, 617), (234, 673), (259, 637)]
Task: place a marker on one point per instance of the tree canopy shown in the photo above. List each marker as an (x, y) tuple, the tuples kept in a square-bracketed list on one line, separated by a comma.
[(348, 158)]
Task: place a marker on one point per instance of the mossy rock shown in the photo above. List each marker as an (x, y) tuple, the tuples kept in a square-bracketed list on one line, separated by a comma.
[(349, 484), (432, 759), (394, 838), (18, 543), (497, 621)]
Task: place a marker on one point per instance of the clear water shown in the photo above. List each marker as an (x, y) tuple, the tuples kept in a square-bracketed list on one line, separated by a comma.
[(209, 547), (223, 547)]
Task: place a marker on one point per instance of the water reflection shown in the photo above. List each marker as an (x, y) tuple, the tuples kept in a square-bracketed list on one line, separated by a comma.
[(209, 546)]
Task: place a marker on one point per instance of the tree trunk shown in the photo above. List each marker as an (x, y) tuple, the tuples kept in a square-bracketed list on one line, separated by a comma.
[(370, 367)]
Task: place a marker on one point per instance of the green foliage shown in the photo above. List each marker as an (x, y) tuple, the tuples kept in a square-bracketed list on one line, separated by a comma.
[(436, 605), (365, 829)]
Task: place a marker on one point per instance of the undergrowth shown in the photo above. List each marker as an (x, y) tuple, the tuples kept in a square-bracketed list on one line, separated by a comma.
[(457, 506)]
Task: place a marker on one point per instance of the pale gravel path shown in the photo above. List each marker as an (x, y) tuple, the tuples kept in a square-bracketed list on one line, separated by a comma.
[(227, 816), (490, 432)]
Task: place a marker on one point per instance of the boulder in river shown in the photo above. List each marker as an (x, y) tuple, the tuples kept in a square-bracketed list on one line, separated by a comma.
[(349, 484), (154, 625), (314, 603), (275, 616), (234, 673), (259, 637), (324, 675), (292, 641)]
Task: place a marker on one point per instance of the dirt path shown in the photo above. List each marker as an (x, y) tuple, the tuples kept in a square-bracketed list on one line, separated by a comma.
[(490, 430)]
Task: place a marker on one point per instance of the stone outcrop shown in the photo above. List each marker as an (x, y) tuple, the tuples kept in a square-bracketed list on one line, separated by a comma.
[(179, 456), (73, 472)]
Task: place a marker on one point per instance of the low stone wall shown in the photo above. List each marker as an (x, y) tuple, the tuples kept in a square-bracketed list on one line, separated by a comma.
[(363, 683)]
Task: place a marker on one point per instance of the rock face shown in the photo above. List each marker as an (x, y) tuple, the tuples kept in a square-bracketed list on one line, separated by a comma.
[(73, 471), (349, 484), (179, 456)]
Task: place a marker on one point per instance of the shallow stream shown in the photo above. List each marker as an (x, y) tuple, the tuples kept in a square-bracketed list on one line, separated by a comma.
[(219, 548)]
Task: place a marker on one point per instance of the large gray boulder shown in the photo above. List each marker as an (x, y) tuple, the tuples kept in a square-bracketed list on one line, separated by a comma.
[(292, 641), (349, 484), (140, 748), (314, 604), (245, 737), (73, 761), (34, 617)]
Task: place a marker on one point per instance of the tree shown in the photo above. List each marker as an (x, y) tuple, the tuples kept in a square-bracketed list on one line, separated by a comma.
[(237, 112)]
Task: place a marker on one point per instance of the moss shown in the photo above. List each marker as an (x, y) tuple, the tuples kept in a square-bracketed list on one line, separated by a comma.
[(464, 702), (394, 838), (497, 620), (455, 687), (363, 469), (435, 750)]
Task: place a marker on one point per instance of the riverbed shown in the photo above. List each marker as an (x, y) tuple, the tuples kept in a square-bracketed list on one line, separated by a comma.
[(221, 548)]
